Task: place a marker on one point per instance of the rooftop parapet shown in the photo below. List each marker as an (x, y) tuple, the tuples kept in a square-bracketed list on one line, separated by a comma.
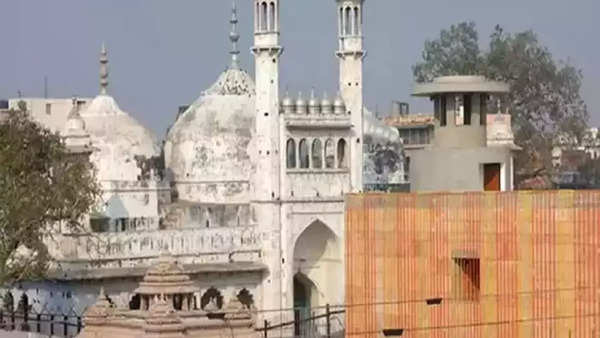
[(460, 84)]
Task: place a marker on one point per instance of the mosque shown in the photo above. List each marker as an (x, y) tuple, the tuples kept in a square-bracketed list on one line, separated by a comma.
[(247, 191)]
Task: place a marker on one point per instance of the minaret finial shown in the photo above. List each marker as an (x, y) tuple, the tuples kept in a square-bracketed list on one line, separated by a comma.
[(234, 37), (103, 70)]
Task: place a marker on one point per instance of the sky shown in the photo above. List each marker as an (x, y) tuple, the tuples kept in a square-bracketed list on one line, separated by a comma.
[(163, 54)]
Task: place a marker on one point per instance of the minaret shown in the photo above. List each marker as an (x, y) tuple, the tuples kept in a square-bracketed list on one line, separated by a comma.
[(103, 70), (267, 51), (351, 54), (234, 38), (266, 185)]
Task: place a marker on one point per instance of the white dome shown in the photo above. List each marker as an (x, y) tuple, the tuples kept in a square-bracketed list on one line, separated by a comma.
[(206, 151), (118, 140)]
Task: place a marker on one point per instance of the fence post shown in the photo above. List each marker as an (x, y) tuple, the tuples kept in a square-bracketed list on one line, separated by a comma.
[(266, 328), (25, 326), (1, 318), (52, 325), (38, 318), (328, 321), (78, 324), (65, 327), (12, 320)]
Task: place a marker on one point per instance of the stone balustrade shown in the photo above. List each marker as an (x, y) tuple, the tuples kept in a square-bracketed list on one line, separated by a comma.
[(214, 245)]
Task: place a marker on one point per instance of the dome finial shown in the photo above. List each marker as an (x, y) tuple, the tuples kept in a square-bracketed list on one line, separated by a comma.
[(234, 37), (103, 70)]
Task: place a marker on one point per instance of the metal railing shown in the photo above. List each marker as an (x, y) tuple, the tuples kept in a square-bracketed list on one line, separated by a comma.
[(52, 324), (307, 324)]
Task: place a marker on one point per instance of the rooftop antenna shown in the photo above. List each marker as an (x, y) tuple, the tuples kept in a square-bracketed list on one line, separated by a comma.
[(45, 87)]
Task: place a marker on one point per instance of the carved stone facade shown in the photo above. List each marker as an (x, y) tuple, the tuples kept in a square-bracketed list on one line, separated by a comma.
[(249, 195)]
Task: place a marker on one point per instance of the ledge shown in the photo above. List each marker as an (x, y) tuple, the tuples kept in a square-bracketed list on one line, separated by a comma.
[(190, 269)]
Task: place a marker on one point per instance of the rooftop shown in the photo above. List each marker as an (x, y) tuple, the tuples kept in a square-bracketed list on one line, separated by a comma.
[(460, 84)]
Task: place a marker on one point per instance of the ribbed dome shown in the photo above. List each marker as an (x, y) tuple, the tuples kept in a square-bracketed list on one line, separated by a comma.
[(206, 148), (119, 140)]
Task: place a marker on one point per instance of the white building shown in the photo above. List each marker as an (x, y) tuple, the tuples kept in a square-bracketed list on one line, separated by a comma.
[(252, 196)]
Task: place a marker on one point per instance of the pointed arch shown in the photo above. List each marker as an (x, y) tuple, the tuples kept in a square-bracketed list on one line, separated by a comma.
[(342, 154), (304, 154), (211, 295), (348, 21), (356, 20), (329, 154), (246, 298), (272, 16), (291, 153), (341, 22), (317, 154), (263, 16)]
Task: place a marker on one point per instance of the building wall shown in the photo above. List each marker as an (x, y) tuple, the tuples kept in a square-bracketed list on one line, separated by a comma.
[(457, 169), (538, 254)]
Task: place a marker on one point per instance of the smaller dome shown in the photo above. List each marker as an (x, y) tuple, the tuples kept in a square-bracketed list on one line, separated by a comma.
[(313, 104), (287, 101), (325, 102), (301, 105), (339, 105)]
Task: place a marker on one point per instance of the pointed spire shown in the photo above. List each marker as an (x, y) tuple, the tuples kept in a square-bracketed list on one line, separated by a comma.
[(234, 37), (103, 70)]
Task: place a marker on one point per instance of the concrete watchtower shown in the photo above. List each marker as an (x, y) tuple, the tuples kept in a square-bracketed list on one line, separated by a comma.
[(351, 54), (473, 145)]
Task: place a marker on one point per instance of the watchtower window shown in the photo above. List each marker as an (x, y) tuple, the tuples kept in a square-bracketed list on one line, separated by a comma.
[(443, 111), (467, 109), (483, 103)]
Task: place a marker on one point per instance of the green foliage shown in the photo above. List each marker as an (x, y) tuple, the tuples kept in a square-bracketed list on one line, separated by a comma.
[(545, 96), (456, 52), (44, 187)]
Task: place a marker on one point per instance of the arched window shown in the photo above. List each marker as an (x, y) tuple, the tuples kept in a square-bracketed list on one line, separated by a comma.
[(356, 23), (341, 21), (329, 154), (211, 295), (272, 17), (317, 154), (291, 154), (348, 21), (263, 17), (304, 154), (135, 302), (246, 298), (341, 152), (257, 17)]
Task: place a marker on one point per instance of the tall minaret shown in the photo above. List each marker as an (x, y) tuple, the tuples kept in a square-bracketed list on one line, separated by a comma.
[(266, 178), (351, 54), (267, 51), (103, 70)]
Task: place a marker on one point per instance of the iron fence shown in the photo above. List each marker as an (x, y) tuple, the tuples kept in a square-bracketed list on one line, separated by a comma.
[(322, 322), (52, 324)]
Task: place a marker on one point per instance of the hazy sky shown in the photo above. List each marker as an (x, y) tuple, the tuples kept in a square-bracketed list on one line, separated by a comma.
[(163, 53)]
